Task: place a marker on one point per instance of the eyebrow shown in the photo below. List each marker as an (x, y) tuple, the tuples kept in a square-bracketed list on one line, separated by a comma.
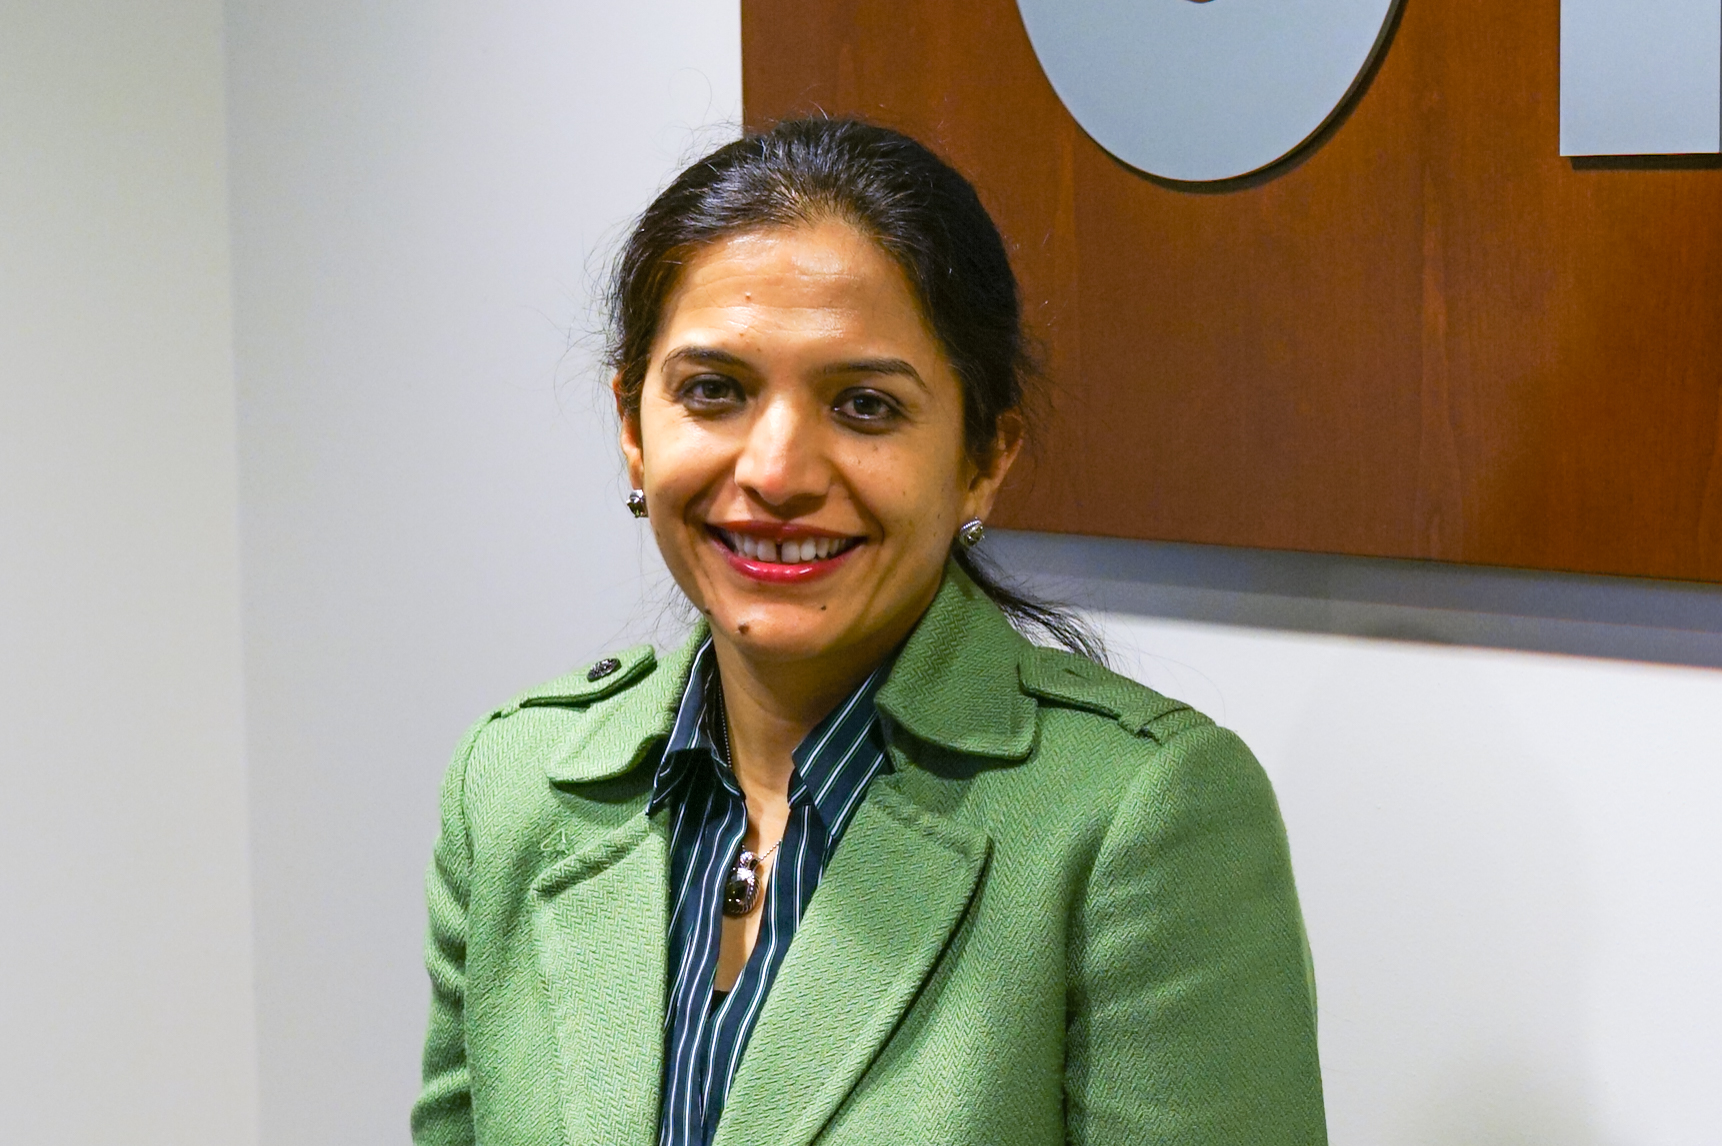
[(705, 356), (711, 356), (896, 366)]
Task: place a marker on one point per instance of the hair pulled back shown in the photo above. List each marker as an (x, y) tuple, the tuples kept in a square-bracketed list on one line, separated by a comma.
[(917, 208)]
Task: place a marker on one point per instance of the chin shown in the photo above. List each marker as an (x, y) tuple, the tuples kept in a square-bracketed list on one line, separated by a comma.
[(780, 633)]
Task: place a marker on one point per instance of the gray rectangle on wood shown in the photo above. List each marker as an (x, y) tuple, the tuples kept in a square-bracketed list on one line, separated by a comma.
[(1641, 77)]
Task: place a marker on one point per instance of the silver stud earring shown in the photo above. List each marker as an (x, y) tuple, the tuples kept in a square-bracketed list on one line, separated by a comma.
[(971, 533), (637, 502)]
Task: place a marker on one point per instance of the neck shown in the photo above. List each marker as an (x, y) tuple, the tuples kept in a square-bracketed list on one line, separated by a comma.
[(772, 704), (771, 707)]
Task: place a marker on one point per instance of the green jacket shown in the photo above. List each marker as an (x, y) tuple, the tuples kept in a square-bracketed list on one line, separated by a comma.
[(1067, 915)]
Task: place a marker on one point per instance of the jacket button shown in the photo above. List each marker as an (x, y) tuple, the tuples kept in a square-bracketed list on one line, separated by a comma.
[(603, 668)]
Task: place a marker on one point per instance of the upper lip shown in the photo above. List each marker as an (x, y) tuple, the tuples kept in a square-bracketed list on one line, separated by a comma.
[(779, 530)]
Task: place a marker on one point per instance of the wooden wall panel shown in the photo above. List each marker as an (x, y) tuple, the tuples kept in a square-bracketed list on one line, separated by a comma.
[(1427, 335)]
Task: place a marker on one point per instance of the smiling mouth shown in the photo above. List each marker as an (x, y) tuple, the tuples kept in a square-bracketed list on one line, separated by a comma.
[(791, 551)]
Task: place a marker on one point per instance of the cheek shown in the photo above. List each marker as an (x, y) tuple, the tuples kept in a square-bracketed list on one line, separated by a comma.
[(679, 459), (912, 495)]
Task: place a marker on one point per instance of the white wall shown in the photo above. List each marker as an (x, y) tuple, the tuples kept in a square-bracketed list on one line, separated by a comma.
[(125, 927), (431, 488)]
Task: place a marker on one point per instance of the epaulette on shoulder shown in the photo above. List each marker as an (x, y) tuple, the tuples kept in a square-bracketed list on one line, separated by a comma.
[(604, 677), (1077, 682)]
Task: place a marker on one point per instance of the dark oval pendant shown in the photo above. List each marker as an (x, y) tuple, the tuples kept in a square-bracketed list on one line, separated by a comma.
[(741, 889)]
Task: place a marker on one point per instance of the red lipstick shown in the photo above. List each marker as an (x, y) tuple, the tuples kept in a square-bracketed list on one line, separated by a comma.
[(782, 553)]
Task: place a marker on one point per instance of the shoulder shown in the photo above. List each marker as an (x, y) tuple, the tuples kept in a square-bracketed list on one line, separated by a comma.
[(1095, 719), (1146, 792), (610, 675), (587, 724), (1106, 733), (1063, 680), (559, 704)]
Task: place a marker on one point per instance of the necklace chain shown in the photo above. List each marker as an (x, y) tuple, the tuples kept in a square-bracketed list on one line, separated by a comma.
[(729, 758)]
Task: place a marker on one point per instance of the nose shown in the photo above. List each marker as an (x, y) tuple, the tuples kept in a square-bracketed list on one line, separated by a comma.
[(781, 464)]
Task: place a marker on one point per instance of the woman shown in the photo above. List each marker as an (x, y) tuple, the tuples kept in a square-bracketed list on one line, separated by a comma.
[(939, 884)]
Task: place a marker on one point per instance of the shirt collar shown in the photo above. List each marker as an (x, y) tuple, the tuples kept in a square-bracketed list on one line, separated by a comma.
[(690, 734), (842, 753), (832, 762)]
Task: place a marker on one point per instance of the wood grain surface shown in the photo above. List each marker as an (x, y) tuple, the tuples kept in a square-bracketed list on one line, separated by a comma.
[(1424, 335)]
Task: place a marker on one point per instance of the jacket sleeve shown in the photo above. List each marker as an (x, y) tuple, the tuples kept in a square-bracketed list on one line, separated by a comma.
[(1192, 1015), (442, 1116)]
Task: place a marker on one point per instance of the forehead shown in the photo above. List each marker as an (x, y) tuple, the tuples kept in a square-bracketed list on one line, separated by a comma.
[(822, 284)]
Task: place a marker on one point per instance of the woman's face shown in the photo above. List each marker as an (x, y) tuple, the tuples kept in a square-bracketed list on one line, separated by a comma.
[(800, 442)]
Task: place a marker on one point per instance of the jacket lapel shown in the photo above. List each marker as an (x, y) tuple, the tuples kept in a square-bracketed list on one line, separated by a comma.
[(886, 908), (955, 682), (599, 915), (598, 918)]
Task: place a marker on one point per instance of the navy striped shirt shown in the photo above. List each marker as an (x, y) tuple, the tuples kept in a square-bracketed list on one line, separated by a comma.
[(705, 1031)]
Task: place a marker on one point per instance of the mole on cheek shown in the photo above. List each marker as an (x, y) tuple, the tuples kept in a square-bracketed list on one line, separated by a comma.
[(741, 629)]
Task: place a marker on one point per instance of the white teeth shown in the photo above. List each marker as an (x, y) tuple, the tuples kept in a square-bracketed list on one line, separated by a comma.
[(787, 552)]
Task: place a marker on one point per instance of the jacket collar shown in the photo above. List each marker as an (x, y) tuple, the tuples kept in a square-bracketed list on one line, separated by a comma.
[(955, 685)]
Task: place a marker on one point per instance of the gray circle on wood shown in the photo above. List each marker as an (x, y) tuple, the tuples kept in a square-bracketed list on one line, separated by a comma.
[(1199, 91)]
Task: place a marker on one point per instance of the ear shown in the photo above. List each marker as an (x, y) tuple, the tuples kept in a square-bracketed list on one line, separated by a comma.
[(984, 484), (632, 449)]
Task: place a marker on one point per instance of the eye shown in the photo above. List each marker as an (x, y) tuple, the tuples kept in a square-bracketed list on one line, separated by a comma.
[(711, 393), (868, 408)]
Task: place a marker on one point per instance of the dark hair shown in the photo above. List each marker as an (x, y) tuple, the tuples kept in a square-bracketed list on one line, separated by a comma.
[(917, 208)]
